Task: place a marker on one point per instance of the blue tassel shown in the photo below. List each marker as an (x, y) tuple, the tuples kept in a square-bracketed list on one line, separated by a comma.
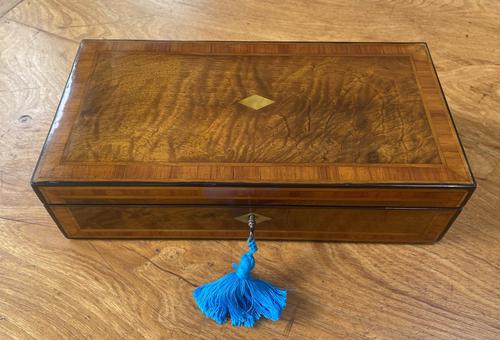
[(239, 296)]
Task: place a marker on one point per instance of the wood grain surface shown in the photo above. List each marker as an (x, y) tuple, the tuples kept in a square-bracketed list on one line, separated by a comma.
[(157, 107), (53, 288)]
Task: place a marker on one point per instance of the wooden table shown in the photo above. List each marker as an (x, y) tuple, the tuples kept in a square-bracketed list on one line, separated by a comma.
[(51, 287)]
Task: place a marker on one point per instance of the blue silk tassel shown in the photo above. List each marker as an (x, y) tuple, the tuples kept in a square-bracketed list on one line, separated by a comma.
[(239, 296)]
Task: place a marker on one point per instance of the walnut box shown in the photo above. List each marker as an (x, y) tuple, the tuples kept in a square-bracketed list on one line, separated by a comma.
[(321, 141)]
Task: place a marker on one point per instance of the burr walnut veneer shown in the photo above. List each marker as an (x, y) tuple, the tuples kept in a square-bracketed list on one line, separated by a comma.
[(322, 141)]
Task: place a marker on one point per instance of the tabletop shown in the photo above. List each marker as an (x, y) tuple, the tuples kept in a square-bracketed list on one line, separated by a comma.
[(52, 287)]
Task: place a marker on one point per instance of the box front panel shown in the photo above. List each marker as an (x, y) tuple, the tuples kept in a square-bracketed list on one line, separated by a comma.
[(286, 223)]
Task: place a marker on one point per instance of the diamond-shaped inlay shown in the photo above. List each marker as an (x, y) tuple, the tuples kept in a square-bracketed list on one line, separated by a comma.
[(258, 218), (256, 102)]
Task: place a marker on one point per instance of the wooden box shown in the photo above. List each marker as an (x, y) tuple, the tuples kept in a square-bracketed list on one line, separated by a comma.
[(322, 141)]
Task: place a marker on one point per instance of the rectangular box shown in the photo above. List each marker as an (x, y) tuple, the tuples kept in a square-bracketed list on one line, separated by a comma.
[(323, 141)]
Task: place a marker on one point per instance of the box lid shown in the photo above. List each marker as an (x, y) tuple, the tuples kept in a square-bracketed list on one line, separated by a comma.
[(211, 113)]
